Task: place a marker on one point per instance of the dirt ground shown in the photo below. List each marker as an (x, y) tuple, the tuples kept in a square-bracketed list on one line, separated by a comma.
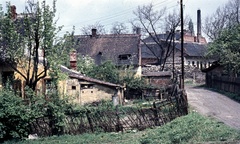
[(215, 105)]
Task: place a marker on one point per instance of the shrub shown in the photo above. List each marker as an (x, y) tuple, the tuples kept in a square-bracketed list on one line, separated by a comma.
[(14, 116)]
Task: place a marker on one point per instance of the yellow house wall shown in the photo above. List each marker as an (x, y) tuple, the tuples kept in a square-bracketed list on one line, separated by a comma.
[(97, 93), (20, 67), (78, 95), (83, 96)]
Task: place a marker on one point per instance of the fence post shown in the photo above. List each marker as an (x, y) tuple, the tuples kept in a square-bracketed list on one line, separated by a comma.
[(118, 126), (155, 113), (89, 120)]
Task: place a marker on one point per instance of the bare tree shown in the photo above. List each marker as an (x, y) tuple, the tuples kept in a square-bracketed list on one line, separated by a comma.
[(152, 23), (86, 30), (172, 21), (224, 17), (119, 28)]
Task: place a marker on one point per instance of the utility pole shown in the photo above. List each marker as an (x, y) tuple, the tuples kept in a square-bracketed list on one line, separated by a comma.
[(182, 40), (173, 52)]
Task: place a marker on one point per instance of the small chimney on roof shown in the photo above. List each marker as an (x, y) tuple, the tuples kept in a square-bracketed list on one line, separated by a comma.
[(13, 12), (94, 32), (73, 60), (138, 30), (199, 33)]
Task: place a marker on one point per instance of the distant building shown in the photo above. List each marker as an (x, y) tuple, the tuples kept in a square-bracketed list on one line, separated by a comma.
[(195, 48)]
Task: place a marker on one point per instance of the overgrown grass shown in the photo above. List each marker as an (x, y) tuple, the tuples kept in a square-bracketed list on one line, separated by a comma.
[(192, 128)]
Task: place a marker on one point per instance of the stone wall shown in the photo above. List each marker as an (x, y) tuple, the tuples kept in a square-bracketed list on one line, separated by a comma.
[(192, 73)]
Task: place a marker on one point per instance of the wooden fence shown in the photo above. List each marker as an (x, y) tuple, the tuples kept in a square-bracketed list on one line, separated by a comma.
[(115, 119), (225, 83)]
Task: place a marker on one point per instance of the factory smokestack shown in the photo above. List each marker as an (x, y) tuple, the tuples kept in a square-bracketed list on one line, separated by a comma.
[(199, 34)]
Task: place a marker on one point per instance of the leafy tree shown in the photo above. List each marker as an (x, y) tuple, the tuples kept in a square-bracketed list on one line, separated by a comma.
[(226, 48), (85, 64), (31, 41), (224, 17), (107, 71)]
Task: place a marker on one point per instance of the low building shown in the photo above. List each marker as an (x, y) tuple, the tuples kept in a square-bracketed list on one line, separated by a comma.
[(83, 89), (121, 49), (158, 79)]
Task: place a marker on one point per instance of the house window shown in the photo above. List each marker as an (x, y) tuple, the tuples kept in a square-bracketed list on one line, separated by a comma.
[(193, 63), (189, 62), (74, 88), (86, 86), (124, 57)]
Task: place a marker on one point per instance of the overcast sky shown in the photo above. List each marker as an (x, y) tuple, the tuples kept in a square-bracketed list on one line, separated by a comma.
[(85, 12)]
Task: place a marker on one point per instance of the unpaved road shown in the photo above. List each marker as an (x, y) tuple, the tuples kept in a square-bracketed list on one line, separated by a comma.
[(215, 105)]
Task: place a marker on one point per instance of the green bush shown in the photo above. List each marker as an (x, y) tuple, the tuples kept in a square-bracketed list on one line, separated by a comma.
[(14, 116)]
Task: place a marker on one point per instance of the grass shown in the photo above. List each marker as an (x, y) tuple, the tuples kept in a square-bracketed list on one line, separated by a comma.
[(192, 128)]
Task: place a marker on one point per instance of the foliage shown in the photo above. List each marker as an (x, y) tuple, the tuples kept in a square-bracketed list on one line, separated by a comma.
[(107, 71), (85, 65), (110, 73), (192, 128), (226, 48), (31, 41), (14, 116), (225, 16), (17, 114)]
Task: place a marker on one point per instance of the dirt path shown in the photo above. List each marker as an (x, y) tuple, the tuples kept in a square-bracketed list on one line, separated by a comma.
[(213, 104)]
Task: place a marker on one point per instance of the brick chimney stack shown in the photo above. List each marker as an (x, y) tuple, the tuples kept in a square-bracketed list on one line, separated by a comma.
[(199, 33), (73, 60), (13, 12), (94, 32)]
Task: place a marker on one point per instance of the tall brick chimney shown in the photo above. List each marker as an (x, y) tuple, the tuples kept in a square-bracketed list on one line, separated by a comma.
[(199, 33), (73, 60), (13, 12), (94, 32)]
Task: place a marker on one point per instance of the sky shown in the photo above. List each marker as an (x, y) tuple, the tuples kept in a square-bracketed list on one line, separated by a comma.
[(80, 13)]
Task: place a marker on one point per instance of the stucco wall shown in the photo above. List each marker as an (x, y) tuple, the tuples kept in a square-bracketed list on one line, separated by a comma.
[(78, 93)]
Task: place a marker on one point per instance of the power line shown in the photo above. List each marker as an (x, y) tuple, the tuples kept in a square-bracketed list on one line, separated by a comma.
[(120, 13)]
